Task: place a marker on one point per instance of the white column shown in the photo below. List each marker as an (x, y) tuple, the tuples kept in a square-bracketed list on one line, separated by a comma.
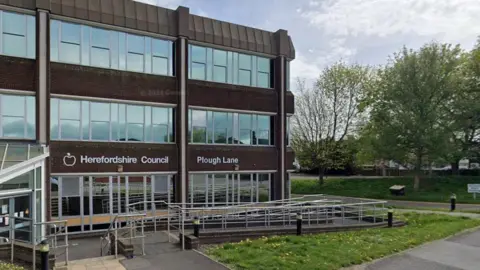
[(42, 78), (282, 125), (183, 120)]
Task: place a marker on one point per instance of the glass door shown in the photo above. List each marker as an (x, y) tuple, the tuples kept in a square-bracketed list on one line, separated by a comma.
[(4, 218), (21, 208)]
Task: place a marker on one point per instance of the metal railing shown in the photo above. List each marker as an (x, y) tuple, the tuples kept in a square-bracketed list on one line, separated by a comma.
[(23, 230), (133, 228)]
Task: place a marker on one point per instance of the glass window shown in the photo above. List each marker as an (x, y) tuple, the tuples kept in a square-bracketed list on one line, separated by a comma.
[(222, 127), (199, 54), (14, 34), (263, 130), (245, 61), (198, 71), (160, 124), (263, 72), (199, 126), (244, 77), (135, 123), (17, 116), (92, 46), (100, 121), (245, 121), (70, 119)]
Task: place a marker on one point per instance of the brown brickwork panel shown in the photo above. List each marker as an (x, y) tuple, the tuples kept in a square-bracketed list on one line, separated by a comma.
[(210, 94), (17, 73), (249, 158), (289, 159), (104, 83), (289, 103), (60, 159)]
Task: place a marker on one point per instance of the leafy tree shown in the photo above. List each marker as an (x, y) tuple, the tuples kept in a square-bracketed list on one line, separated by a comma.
[(409, 101), (327, 114)]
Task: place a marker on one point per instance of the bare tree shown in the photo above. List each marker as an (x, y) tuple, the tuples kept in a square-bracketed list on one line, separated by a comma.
[(326, 114)]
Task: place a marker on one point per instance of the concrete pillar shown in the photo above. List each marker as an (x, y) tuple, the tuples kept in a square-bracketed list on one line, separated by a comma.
[(42, 71)]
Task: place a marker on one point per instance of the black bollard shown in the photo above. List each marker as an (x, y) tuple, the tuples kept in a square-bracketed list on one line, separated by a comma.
[(390, 218), (44, 249), (196, 227), (453, 201), (299, 223)]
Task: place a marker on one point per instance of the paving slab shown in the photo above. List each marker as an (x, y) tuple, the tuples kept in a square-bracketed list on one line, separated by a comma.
[(408, 262)]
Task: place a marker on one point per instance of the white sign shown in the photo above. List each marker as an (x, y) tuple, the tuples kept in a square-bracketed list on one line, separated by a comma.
[(217, 160), (473, 188), (4, 208), (70, 160)]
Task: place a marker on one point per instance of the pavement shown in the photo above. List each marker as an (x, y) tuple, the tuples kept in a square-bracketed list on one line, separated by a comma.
[(416, 204), (459, 252), (103, 263)]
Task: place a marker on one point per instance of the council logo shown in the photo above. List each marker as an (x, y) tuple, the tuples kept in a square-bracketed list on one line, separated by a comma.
[(69, 160)]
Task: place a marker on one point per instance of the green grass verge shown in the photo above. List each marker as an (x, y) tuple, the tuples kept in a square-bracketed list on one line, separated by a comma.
[(336, 250), (437, 209), (436, 189)]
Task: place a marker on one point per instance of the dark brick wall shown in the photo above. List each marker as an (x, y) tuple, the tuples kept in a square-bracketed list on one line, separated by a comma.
[(105, 83), (219, 95), (249, 157), (17, 73), (59, 149)]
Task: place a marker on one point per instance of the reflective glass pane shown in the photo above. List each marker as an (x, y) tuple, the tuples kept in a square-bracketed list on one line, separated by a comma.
[(100, 111), (86, 122), (244, 77), (70, 129), (54, 118), (160, 133), (245, 136), (199, 54), (70, 186), (100, 38), (70, 33), (69, 53), (114, 120), (263, 64), (245, 61), (13, 126), (199, 134), (263, 80), (13, 105), (31, 37), (245, 121), (199, 118), (14, 45), (222, 127), (160, 65), (54, 28), (69, 109), (100, 130), (160, 48), (30, 117), (136, 44), (135, 114), (122, 128), (220, 58), (198, 71), (263, 187), (263, 137), (135, 132), (135, 62), (14, 23), (263, 122), (100, 195), (220, 74), (148, 123), (160, 115), (100, 57)]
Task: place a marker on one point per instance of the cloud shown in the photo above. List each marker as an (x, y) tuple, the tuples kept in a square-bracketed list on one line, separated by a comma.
[(447, 20)]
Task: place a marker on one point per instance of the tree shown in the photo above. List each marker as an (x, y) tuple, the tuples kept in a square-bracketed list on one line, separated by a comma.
[(409, 101), (464, 111), (326, 115)]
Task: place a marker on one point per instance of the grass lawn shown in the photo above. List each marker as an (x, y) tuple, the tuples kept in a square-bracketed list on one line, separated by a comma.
[(438, 209), (9, 266), (335, 250), (437, 189)]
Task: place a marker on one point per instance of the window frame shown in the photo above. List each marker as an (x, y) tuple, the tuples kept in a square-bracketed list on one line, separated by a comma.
[(29, 35)]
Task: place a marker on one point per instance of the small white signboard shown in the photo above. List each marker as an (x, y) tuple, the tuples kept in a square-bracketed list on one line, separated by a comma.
[(474, 188)]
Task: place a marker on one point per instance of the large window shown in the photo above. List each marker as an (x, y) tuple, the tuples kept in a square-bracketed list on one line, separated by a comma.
[(17, 34), (229, 67), (214, 127), (228, 189), (17, 119), (288, 132), (91, 46), (106, 121)]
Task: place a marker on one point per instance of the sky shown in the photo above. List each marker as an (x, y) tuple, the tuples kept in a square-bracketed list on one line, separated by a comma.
[(356, 31)]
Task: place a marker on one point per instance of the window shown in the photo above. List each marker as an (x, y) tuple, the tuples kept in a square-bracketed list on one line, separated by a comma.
[(288, 131), (92, 46), (228, 189), (287, 76), (263, 72), (100, 48), (17, 116), (229, 67), (17, 34), (102, 121), (213, 127), (199, 63)]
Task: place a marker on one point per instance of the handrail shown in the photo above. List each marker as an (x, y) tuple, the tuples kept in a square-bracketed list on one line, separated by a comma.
[(115, 220)]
